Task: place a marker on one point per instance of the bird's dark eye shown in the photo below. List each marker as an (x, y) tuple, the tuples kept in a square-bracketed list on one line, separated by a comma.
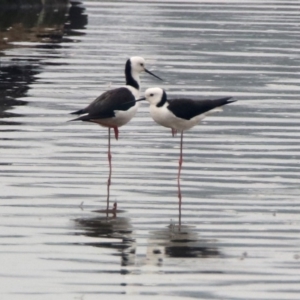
[(141, 64), (151, 95)]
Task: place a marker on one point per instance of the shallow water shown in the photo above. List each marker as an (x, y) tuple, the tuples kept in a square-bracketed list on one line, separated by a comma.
[(239, 237)]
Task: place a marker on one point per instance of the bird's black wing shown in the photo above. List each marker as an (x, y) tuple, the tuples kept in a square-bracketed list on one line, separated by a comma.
[(105, 105), (188, 108)]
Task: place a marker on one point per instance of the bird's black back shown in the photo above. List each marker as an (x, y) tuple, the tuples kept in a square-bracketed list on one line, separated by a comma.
[(188, 108), (105, 105)]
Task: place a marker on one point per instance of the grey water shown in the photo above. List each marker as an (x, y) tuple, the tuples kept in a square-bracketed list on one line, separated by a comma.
[(239, 236)]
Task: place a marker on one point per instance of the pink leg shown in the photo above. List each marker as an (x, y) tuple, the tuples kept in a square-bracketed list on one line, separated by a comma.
[(116, 133), (109, 176), (178, 177), (174, 132)]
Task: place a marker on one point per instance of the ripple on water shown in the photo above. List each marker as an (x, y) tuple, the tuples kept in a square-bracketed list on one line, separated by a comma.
[(240, 210)]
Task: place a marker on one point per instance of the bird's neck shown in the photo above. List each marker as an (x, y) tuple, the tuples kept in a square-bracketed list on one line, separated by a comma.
[(132, 78), (134, 91), (163, 100)]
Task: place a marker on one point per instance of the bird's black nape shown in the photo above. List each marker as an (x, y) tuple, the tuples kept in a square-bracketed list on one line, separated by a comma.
[(129, 79), (163, 99)]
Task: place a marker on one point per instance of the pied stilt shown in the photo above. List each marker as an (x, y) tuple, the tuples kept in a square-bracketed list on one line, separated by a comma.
[(116, 107), (180, 115)]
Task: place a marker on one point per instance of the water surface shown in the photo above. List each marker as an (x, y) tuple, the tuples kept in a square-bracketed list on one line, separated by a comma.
[(239, 237)]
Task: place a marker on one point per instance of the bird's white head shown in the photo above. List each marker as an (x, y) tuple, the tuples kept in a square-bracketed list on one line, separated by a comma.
[(133, 67), (137, 64), (155, 96)]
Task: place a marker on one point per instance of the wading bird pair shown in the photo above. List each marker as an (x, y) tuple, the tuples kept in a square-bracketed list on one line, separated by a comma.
[(117, 107)]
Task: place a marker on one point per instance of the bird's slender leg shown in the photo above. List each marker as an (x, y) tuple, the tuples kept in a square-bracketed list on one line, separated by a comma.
[(174, 132), (109, 176), (178, 177), (116, 133)]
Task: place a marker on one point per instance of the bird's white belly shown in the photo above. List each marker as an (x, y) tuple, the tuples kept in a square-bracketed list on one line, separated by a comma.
[(121, 118), (124, 116), (164, 117)]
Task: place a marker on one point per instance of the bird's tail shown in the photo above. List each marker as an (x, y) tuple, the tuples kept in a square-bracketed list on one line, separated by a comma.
[(82, 118), (225, 100), (78, 112), (217, 105)]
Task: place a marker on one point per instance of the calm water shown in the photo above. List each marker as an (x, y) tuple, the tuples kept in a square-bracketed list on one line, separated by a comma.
[(239, 237)]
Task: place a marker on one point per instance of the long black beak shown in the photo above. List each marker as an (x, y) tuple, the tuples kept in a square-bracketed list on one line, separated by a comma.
[(140, 99), (147, 71)]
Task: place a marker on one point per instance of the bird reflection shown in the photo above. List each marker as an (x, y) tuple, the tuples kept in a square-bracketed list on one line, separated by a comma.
[(110, 228), (178, 241), (179, 207)]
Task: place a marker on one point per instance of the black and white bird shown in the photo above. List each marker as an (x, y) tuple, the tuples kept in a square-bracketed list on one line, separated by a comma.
[(180, 114), (116, 107)]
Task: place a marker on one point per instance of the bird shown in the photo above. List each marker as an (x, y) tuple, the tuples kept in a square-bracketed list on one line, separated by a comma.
[(180, 114), (115, 108)]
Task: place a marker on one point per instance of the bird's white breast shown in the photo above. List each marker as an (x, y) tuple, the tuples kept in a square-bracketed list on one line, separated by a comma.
[(134, 91), (161, 115), (124, 116), (166, 118)]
